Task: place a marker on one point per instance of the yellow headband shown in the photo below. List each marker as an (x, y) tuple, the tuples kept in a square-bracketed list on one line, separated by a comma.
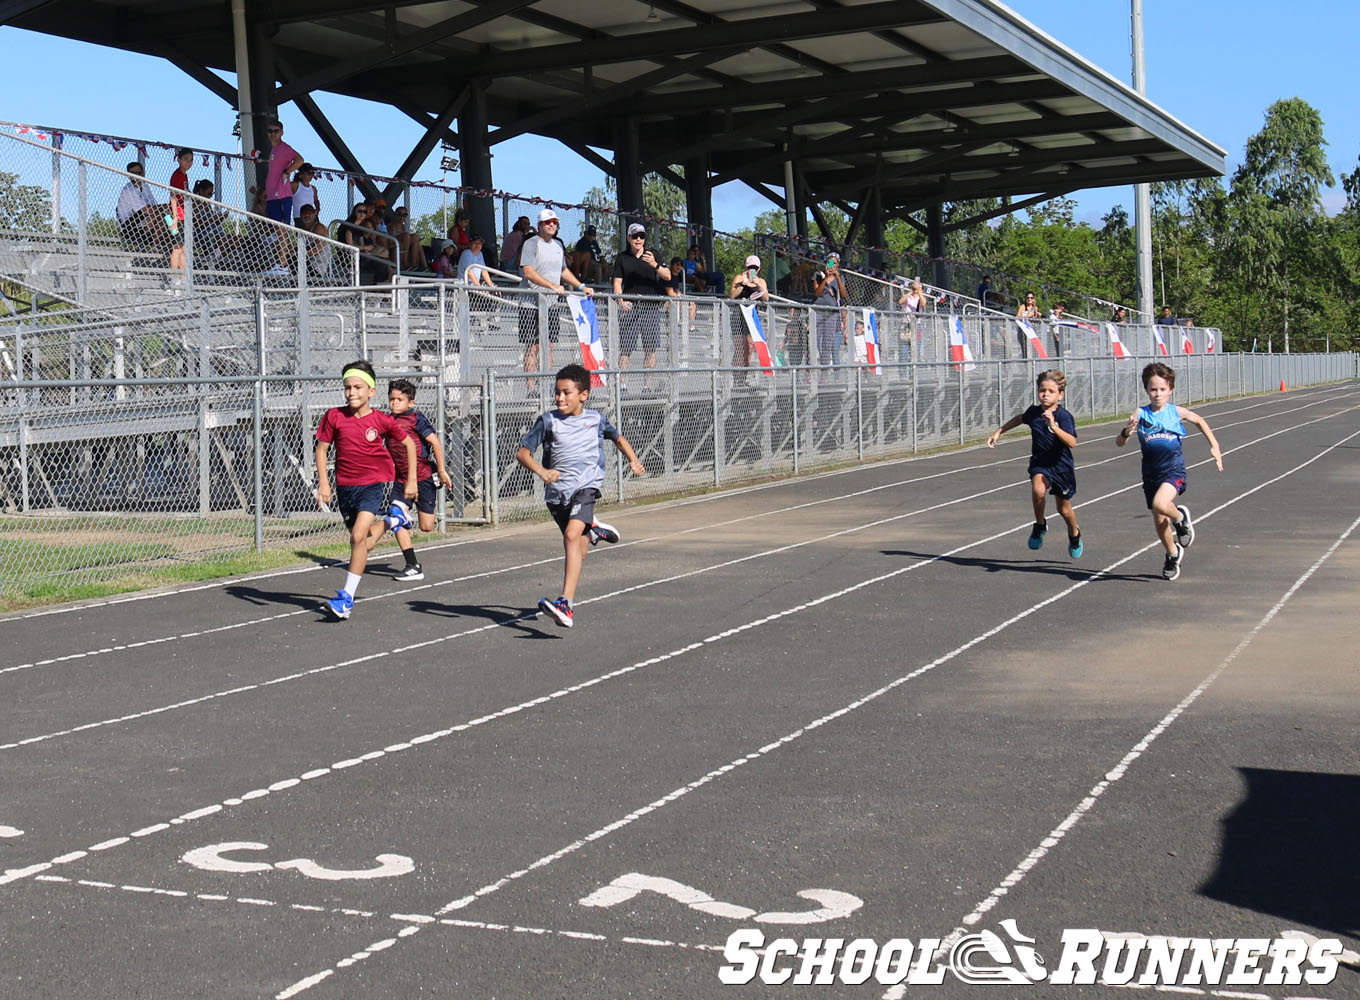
[(360, 373)]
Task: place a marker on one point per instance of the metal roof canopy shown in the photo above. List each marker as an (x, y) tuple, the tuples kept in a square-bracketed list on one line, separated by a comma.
[(921, 102)]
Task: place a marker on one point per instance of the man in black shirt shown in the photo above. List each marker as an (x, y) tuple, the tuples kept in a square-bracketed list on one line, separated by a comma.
[(636, 272)]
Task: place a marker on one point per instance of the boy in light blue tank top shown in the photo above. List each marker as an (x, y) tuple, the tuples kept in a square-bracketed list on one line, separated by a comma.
[(1160, 426)]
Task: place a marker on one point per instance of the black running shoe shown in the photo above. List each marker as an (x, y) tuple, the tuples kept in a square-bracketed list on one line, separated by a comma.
[(1172, 567), (1036, 535), (1185, 528)]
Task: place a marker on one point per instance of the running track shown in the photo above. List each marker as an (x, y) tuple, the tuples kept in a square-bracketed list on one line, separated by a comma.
[(861, 682)]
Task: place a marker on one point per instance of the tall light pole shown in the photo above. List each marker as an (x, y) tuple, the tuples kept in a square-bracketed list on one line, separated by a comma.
[(1142, 193)]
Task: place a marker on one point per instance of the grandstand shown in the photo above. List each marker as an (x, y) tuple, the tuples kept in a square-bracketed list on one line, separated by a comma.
[(160, 393)]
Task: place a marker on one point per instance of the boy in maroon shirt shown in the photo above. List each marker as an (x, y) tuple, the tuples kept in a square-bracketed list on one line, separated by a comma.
[(364, 471)]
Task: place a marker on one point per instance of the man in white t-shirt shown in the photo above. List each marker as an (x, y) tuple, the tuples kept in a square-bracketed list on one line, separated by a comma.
[(543, 261)]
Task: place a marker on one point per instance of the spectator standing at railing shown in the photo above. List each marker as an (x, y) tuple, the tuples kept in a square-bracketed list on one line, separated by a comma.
[(637, 272), (1120, 315), (1029, 311), (179, 181), (278, 190), (912, 302), (747, 285), (543, 259), (829, 292), (1056, 316), (984, 291)]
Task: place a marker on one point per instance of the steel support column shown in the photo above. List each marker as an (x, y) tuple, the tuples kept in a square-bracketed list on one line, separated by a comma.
[(476, 168)]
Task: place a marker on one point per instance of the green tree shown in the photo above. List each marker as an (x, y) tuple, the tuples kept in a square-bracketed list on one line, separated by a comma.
[(24, 206)]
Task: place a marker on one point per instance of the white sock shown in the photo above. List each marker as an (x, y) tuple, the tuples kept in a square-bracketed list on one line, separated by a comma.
[(352, 583)]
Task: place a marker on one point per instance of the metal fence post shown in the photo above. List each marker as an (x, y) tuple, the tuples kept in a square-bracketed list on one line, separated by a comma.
[(491, 473), (962, 421), (257, 423), (793, 397), (719, 445), (82, 233), (618, 416), (914, 367), (204, 456), (1091, 376), (859, 413)]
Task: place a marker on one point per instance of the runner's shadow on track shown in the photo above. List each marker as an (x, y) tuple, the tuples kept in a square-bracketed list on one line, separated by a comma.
[(518, 619), (1043, 567), (1289, 849), (260, 598)]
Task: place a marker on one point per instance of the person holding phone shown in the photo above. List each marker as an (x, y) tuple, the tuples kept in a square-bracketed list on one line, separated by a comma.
[(637, 272), (830, 294)]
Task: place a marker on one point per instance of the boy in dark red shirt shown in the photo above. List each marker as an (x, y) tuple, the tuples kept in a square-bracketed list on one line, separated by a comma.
[(401, 397), (364, 472)]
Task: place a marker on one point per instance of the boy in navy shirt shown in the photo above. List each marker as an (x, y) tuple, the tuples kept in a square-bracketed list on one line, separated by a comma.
[(401, 402), (572, 439), (1160, 426), (364, 473), (1053, 434)]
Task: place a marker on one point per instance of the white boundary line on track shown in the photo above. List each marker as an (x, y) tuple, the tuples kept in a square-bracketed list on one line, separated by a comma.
[(1264, 400), (590, 937), (393, 595), (678, 793), (529, 616)]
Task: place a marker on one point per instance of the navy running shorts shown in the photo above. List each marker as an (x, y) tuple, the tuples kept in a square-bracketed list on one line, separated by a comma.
[(371, 498), (1150, 486)]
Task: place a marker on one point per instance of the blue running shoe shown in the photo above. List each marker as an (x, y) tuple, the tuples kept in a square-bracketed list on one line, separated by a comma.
[(341, 604), (399, 516), (1074, 548), (1036, 535)]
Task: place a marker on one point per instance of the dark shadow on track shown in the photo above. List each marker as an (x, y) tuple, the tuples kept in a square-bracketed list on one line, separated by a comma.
[(1044, 567), (1291, 848), (258, 597), (518, 619)]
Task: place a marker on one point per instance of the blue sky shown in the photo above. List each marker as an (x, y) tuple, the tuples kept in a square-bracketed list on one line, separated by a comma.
[(1214, 64)]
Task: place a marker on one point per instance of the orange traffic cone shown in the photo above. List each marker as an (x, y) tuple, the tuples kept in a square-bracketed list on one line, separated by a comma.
[(1282, 385)]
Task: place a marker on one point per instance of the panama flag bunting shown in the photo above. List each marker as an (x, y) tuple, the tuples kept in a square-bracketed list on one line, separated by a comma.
[(758, 342), (959, 351), (867, 347), (588, 333), (1116, 345), (1161, 344), (1209, 341), (1187, 345), (1035, 344)]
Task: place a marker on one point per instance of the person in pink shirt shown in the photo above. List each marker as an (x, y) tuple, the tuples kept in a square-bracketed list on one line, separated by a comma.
[(283, 160)]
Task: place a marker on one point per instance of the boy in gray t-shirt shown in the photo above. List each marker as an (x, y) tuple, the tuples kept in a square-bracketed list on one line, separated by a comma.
[(572, 439)]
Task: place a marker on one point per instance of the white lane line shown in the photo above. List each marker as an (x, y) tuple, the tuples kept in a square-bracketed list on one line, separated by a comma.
[(16, 874), (1120, 769), (666, 505), (706, 779), (396, 595)]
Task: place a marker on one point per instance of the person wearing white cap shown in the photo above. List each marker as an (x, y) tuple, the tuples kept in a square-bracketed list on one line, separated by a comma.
[(637, 272), (543, 261), (747, 285)]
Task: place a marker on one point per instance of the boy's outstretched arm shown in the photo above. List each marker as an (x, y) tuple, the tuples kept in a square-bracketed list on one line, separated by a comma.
[(526, 458), (634, 462), (1191, 417), (1010, 424), (411, 491), (323, 479), (437, 449)]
